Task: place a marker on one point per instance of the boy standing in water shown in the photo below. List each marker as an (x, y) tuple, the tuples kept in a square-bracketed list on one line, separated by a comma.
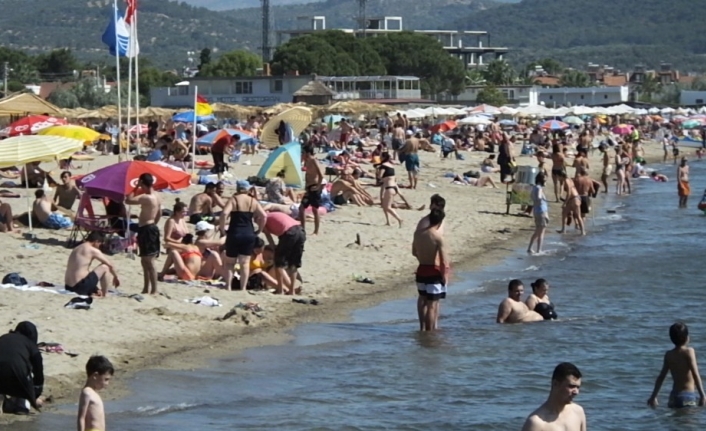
[(681, 363), (91, 416)]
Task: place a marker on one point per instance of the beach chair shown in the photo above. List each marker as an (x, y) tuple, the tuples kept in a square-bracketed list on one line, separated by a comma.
[(86, 221)]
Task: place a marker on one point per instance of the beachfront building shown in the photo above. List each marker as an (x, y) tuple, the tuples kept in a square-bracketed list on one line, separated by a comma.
[(514, 94), (270, 90), (473, 48), (692, 98), (588, 96)]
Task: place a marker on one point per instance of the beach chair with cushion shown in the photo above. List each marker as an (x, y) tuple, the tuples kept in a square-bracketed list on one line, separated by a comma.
[(86, 221)]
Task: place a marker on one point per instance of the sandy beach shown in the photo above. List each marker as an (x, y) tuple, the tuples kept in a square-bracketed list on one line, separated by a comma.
[(168, 331)]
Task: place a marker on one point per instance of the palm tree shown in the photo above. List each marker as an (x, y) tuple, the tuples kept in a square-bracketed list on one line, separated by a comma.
[(574, 78), (650, 86), (499, 72), (474, 77)]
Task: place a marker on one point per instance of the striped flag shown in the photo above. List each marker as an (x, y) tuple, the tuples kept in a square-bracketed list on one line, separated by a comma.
[(130, 11), (203, 108), (131, 26)]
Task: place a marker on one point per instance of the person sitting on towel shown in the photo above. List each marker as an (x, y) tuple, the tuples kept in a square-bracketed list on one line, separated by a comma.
[(80, 279), (44, 210)]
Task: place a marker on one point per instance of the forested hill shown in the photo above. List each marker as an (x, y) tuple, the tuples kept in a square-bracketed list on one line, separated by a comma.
[(616, 32)]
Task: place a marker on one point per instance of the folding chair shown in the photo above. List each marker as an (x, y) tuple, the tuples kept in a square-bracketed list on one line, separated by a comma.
[(86, 222)]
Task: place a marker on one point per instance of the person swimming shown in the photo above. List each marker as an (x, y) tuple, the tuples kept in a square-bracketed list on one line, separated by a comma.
[(539, 300)]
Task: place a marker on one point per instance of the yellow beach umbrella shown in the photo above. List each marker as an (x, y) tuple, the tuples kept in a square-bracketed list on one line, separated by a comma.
[(71, 131), (297, 118), (21, 150)]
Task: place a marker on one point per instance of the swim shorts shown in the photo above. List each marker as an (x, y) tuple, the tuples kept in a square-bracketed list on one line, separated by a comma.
[(585, 204), (86, 287), (339, 200), (411, 162), (430, 282), (683, 399), (57, 221), (312, 198), (148, 240), (432, 292), (290, 248)]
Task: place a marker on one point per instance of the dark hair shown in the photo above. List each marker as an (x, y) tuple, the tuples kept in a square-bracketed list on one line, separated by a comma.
[(514, 284), (384, 157), (438, 201), (309, 150), (491, 157), (259, 243), (564, 370), (436, 216), (281, 173), (99, 364), (147, 180), (188, 239), (64, 174), (269, 248), (95, 236), (210, 186), (39, 193), (538, 283), (540, 179), (679, 334), (179, 206)]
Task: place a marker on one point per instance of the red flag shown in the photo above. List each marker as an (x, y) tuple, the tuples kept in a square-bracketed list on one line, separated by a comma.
[(203, 108), (130, 11)]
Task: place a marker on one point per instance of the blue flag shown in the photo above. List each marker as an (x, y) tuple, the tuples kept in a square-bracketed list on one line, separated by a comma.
[(116, 36)]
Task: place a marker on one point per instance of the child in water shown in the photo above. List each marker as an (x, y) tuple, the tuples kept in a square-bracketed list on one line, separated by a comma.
[(681, 363), (91, 415)]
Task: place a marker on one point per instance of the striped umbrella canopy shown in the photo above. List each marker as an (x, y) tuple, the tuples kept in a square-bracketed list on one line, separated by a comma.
[(208, 139), (554, 125), (21, 150)]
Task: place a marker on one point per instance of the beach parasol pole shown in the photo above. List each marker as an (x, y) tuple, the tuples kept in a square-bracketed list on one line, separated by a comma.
[(193, 130), (117, 72), (133, 28)]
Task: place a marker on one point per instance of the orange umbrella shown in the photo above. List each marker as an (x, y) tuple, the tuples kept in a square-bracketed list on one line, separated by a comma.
[(443, 127)]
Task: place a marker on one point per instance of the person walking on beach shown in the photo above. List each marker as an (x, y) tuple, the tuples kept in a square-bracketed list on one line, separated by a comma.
[(91, 414), (389, 189), (560, 412), (148, 237), (411, 158), (432, 275), (607, 167), (558, 170), (681, 363), (540, 211), (586, 188), (683, 187), (313, 178)]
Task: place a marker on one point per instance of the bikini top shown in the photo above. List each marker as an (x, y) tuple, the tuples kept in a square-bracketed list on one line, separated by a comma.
[(387, 171)]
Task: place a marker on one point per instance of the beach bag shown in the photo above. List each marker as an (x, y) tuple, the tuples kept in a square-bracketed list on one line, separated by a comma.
[(14, 278)]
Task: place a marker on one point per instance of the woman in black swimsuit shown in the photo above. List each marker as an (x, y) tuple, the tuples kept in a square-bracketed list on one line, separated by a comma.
[(539, 300), (389, 188), (241, 210)]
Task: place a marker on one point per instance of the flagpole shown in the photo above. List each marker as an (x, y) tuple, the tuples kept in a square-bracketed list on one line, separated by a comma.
[(117, 72), (133, 28), (129, 97), (193, 130)]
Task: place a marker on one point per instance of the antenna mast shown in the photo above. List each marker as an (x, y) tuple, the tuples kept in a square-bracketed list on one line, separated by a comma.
[(266, 48), (362, 16)]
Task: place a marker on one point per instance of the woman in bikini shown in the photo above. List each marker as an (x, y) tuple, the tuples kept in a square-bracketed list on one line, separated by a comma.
[(572, 206), (558, 170), (388, 188), (539, 300), (187, 257), (259, 278), (174, 230)]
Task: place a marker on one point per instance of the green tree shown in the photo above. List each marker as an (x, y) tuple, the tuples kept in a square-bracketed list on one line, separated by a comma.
[(234, 63), (491, 95), (699, 84), (649, 87), (24, 72), (574, 78), (549, 65), (499, 72), (86, 94), (153, 77), (204, 57), (64, 98), (57, 64), (474, 77)]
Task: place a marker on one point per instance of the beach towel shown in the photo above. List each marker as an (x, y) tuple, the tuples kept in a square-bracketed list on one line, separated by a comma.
[(57, 221)]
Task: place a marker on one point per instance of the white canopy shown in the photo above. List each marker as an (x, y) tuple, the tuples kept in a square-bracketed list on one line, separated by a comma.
[(475, 120)]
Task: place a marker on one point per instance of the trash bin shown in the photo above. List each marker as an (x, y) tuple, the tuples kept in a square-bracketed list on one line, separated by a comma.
[(526, 174)]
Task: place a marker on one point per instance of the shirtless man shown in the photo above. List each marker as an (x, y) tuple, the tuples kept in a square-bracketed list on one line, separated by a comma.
[(683, 183), (559, 412), (512, 309), (558, 169), (410, 151), (67, 192), (398, 137), (313, 178), (607, 167), (202, 204), (147, 233), (44, 210), (586, 188), (580, 161), (80, 279), (571, 207), (345, 132), (433, 272)]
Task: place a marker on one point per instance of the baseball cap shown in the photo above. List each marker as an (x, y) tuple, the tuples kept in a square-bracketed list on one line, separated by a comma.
[(410, 133), (242, 184), (203, 226)]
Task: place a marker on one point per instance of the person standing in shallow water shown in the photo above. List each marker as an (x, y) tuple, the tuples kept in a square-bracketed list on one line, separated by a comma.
[(540, 211), (560, 412), (432, 275), (683, 187)]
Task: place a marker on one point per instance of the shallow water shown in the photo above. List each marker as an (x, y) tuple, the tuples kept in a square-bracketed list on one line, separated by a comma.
[(616, 291)]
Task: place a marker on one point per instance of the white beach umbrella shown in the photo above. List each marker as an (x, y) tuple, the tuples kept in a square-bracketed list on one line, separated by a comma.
[(667, 110), (414, 113), (702, 110), (484, 109), (475, 120), (506, 110)]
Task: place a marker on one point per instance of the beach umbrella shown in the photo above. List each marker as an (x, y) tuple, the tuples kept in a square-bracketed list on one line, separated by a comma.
[(141, 128), (553, 125), (693, 124), (576, 121), (30, 125), (80, 133), (475, 120), (506, 110), (208, 139), (622, 129), (443, 127), (297, 119), (118, 180), (507, 122), (188, 117), (484, 109)]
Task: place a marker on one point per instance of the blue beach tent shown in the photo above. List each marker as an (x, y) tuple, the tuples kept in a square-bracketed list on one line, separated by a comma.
[(289, 158)]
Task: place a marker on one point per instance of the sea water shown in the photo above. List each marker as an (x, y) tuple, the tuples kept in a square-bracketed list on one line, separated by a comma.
[(616, 291)]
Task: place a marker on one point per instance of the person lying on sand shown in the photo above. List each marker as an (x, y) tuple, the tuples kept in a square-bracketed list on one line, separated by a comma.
[(477, 182)]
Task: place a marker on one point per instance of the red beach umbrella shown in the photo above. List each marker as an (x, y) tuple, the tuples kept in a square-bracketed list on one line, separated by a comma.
[(31, 125)]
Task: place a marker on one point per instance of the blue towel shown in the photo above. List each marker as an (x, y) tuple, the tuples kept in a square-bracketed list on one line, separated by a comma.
[(58, 221)]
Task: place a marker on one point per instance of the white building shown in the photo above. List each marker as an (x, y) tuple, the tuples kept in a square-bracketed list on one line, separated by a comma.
[(692, 98), (514, 94), (589, 96), (270, 90)]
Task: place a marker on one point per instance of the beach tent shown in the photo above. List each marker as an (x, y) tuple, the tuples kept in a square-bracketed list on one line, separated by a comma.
[(289, 158), (297, 118)]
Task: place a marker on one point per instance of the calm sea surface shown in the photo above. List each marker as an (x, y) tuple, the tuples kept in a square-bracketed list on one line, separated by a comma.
[(616, 291)]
